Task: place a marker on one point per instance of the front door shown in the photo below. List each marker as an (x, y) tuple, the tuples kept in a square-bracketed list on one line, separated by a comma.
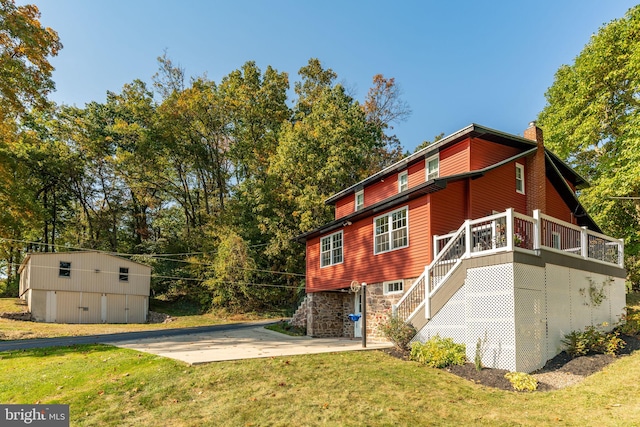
[(357, 325)]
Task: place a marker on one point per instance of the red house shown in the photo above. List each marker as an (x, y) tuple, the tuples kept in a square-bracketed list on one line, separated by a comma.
[(477, 236)]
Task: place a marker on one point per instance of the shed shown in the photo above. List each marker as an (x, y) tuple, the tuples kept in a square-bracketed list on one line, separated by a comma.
[(84, 287)]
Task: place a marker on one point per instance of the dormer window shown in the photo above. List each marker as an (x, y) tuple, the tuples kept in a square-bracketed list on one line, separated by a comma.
[(403, 181), (433, 167), (519, 178), (359, 200)]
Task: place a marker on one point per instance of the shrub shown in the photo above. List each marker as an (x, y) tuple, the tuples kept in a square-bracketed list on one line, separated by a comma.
[(521, 381), (630, 324), (592, 341), (398, 332), (439, 352)]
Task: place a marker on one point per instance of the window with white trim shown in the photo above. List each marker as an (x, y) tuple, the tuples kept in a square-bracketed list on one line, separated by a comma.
[(395, 287), (519, 178), (359, 200), (331, 249), (65, 269), (432, 165), (391, 231), (403, 181), (556, 240)]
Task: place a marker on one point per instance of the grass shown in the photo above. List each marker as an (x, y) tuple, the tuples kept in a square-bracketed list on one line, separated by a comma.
[(114, 387), (285, 328), (185, 315)]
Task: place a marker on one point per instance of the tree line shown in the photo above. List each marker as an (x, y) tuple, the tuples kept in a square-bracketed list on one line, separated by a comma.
[(218, 176)]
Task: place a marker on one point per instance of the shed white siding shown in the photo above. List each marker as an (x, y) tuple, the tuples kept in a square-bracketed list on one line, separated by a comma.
[(98, 288)]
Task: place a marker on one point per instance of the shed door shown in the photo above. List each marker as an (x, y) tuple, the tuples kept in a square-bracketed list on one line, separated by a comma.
[(67, 307), (116, 308), (136, 309), (51, 311), (91, 307)]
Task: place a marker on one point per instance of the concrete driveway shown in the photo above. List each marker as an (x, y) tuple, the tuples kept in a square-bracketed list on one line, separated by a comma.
[(247, 342)]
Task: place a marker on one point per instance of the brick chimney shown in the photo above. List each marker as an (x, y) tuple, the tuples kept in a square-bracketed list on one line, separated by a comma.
[(535, 175)]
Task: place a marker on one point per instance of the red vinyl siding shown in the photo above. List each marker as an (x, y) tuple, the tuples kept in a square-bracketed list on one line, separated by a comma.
[(485, 153), (361, 264), (346, 205), (556, 207), (448, 209), (455, 159), (381, 190), (496, 191)]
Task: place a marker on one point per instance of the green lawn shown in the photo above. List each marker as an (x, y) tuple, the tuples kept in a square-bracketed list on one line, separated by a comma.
[(184, 316), (107, 386)]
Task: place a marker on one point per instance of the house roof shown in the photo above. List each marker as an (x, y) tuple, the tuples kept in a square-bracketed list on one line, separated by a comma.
[(472, 131), (556, 170)]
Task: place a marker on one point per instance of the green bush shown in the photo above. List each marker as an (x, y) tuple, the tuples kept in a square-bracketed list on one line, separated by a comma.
[(522, 381), (439, 352), (631, 324), (592, 341), (398, 332)]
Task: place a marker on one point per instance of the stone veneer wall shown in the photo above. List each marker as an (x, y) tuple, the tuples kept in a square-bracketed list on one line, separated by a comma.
[(325, 314), (379, 307)]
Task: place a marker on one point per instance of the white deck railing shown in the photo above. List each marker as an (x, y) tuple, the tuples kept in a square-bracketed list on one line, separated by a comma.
[(505, 232)]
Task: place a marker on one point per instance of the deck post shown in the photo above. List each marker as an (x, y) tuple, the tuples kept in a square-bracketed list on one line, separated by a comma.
[(509, 229), (584, 243), (427, 293), (621, 253), (537, 229), (467, 237)]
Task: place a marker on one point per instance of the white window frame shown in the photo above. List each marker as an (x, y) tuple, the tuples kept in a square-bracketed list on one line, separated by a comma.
[(332, 239), (389, 232), (358, 206), (556, 240), (520, 179), (428, 160), (387, 285), (403, 181)]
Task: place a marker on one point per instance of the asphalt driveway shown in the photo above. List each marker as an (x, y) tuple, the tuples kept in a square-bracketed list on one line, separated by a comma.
[(208, 343)]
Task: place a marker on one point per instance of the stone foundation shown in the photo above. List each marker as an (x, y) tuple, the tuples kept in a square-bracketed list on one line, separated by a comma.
[(326, 314)]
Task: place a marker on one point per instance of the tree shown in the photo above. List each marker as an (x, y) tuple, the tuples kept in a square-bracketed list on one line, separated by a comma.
[(383, 107), (25, 48), (592, 119)]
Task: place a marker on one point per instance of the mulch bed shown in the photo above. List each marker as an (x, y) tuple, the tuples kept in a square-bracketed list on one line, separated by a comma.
[(564, 363)]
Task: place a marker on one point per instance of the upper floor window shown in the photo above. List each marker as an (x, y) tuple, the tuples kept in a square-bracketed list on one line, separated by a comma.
[(391, 231), (124, 274), (331, 249), (65, 269), (519, 178), (359, 200), (403, 181), (433, 167)]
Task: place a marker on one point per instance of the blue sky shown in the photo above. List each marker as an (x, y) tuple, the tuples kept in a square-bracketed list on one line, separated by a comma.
[(457, 62)]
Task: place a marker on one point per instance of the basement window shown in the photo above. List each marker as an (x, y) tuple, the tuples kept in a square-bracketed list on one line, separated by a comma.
[(124, 274), (65, 269), (395, 287)]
